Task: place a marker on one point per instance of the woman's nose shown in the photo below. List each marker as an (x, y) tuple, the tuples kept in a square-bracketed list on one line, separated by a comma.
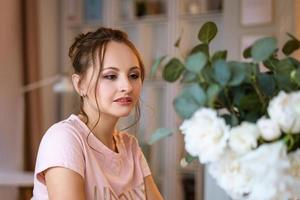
[(125, 85)]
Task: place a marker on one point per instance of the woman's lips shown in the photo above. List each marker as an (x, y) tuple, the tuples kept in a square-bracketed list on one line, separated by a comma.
[(124, 100)]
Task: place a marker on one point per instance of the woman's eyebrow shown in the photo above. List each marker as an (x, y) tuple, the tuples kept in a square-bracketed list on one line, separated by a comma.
[(134, 67), (113, 68), (117, 69)]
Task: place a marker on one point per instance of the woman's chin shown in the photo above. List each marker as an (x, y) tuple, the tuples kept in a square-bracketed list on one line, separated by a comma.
[(124, 114)]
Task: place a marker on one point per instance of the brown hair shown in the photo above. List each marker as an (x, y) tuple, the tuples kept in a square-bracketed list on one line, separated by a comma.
[(83, 54)]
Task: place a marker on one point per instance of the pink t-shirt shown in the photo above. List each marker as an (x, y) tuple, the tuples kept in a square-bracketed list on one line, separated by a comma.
[(112, 175)]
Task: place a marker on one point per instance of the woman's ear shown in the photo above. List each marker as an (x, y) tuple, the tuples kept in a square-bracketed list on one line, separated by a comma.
[(76, 84)]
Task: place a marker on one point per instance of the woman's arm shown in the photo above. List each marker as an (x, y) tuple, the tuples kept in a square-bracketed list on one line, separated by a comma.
[(152, 192), (63, 183)]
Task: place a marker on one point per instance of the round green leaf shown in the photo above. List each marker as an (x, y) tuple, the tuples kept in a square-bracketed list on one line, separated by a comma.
[(219, 55), (263, 48), (212, 93), (238, 73), (247, 53), (284, 66), (266, 83), (221, 72), (207, 74), (201, 48), (283, 82), (156, 65), (195, 92), (196, 62), (173, 70), (290, 47), (188, 77), (207, 32), (191, 98), (271, 63), (250, 102), (252, 116), (185, 106), (237, 94), (251, 71), (159, 134)]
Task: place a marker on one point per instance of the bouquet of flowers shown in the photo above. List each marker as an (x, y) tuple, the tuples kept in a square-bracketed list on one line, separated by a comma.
[(242, 119)]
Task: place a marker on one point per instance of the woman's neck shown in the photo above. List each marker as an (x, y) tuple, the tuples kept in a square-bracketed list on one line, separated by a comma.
[(104, 129)]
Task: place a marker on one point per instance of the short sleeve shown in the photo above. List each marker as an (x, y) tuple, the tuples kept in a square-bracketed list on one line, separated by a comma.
[(60, 147)]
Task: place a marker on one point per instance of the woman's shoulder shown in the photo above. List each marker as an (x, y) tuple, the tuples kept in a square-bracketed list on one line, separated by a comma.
[(62, 146), (66, 129)]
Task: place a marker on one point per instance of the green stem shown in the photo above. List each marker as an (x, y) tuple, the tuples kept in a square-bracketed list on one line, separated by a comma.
[(201, 78), (292, 141), (289, 141), (229, 104), (259, 93)]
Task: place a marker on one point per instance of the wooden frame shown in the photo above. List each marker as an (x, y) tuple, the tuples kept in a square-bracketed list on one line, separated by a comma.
[(256, 12)]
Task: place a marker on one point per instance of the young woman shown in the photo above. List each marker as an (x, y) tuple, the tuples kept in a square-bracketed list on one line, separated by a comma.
[(85, 156)]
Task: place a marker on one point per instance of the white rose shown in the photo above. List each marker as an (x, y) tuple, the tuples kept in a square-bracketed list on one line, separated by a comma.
[(285, 110), (243, 138), (260, 174), (268, 128), (268, 164), (205, 135), (230, 176)]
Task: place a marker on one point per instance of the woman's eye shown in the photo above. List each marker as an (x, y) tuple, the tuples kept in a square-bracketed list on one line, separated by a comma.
[(134, 76), (110, 77)]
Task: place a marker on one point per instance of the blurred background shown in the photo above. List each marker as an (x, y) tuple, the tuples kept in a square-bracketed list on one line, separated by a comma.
[(35, 90)]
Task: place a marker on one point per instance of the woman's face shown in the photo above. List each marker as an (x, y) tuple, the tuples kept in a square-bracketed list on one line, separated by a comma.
[(119, 84)]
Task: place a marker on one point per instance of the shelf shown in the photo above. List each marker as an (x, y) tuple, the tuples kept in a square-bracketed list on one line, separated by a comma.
[(16, 178), (149, 19), (85, 25), (201, 16)]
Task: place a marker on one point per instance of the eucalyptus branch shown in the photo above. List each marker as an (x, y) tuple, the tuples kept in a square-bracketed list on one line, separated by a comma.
[(259, 93), (229, 103), (239, 92), (201, 78), (219, 103)]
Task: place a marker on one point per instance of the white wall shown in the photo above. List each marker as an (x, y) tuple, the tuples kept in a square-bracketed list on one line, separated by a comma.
[(11, 113)]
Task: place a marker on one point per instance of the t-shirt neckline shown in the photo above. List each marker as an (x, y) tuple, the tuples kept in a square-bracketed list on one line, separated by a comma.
[(94, 142)]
